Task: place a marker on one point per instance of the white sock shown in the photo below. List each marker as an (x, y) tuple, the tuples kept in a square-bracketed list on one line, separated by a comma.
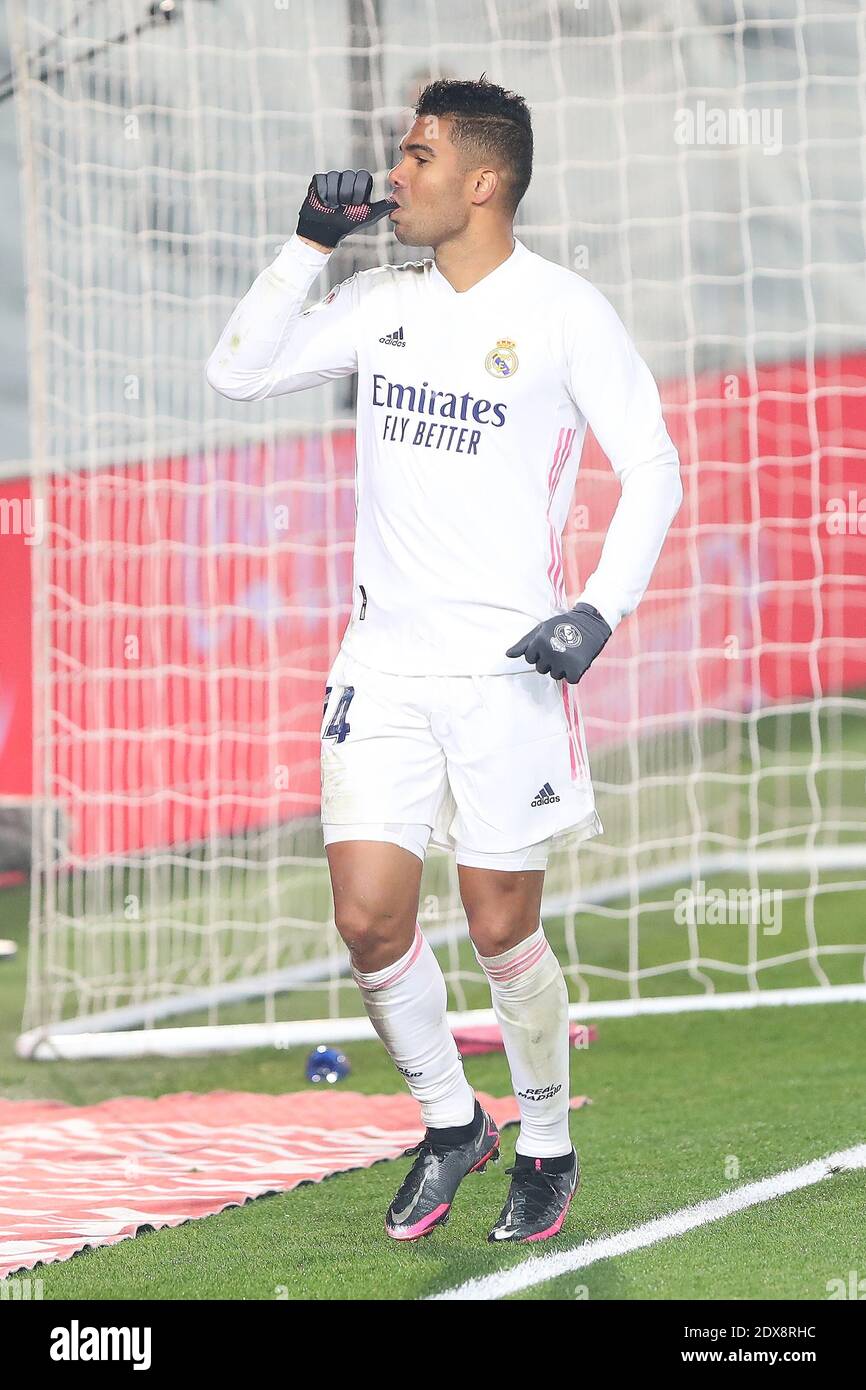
[(406, 1004), (530, 1000)]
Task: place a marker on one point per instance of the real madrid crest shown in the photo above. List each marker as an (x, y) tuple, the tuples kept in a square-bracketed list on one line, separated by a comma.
[(565, 635), (502, 361)]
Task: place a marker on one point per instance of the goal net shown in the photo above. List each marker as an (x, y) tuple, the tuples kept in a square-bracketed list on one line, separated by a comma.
[(702, 162)]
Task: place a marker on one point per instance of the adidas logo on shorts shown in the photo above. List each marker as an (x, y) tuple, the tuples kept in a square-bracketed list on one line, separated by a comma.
[(395, 339), (545, 796)]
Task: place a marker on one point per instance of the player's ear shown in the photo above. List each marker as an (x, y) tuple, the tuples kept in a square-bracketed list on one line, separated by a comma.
[(485, 185)]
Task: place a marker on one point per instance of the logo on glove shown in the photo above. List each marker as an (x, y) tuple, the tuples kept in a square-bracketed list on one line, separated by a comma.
[(565, 635)]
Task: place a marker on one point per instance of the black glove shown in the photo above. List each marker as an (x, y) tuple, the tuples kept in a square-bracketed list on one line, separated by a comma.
[(566, 645), (337, 204)]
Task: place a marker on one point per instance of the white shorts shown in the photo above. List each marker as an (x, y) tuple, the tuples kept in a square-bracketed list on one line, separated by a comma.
[(492, 764)]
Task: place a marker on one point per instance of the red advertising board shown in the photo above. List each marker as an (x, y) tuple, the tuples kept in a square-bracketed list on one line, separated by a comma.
[(16, 730)]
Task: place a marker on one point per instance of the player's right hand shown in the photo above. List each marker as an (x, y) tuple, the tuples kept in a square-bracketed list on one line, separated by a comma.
[(339, 203)]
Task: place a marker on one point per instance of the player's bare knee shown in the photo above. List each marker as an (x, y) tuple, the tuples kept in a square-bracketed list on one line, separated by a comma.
[(501, 907), (493, 935), (374, 939)]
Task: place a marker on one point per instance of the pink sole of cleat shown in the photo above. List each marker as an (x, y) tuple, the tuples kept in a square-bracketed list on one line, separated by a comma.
[(437, 1217), (491, 1157), (558, 1223), (440, 1215)]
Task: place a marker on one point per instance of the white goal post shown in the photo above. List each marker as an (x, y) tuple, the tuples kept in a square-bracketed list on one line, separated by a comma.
[(703, 164)]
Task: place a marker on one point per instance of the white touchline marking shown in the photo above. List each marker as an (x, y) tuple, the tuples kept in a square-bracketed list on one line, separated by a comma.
[(539, 1269)]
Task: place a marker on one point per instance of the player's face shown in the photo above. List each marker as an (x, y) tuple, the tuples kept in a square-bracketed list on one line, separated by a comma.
[(431, 185)]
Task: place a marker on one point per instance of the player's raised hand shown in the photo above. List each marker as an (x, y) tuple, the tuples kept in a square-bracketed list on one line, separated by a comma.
[(566, 645), (339, 203)]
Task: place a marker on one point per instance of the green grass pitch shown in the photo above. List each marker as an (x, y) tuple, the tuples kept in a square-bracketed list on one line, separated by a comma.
[(676, 1100)]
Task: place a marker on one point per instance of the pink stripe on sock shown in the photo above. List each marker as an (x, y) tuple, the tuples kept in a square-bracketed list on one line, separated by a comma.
[(417, 947), (519, 965), (511, 972)]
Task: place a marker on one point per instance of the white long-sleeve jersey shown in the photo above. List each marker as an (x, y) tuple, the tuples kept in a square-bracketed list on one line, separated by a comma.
[(472, 411)]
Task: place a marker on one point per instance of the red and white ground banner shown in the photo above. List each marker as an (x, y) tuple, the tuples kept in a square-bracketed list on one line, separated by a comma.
[(79, 1176), (475, 1038)]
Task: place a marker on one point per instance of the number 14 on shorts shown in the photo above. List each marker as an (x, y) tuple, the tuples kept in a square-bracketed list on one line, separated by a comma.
[(337, 727)]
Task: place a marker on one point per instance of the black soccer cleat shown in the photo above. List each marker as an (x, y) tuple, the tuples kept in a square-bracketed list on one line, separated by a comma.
[(538, 1202), (423, 1200)]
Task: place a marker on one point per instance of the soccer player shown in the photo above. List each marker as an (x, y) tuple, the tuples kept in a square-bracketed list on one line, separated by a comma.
[(449, 711)]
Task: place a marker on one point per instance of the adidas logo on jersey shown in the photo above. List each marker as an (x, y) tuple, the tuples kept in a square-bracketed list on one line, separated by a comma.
[(545, 796), (394, 339)]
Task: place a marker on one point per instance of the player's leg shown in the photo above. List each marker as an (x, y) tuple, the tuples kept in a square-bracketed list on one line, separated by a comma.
[(376, 887), (528, 990), (518, 774), (376, 884), (379, 758), (530, 1000)]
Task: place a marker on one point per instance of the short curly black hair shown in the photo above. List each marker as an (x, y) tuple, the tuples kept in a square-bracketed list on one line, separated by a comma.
[(488, 122)]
